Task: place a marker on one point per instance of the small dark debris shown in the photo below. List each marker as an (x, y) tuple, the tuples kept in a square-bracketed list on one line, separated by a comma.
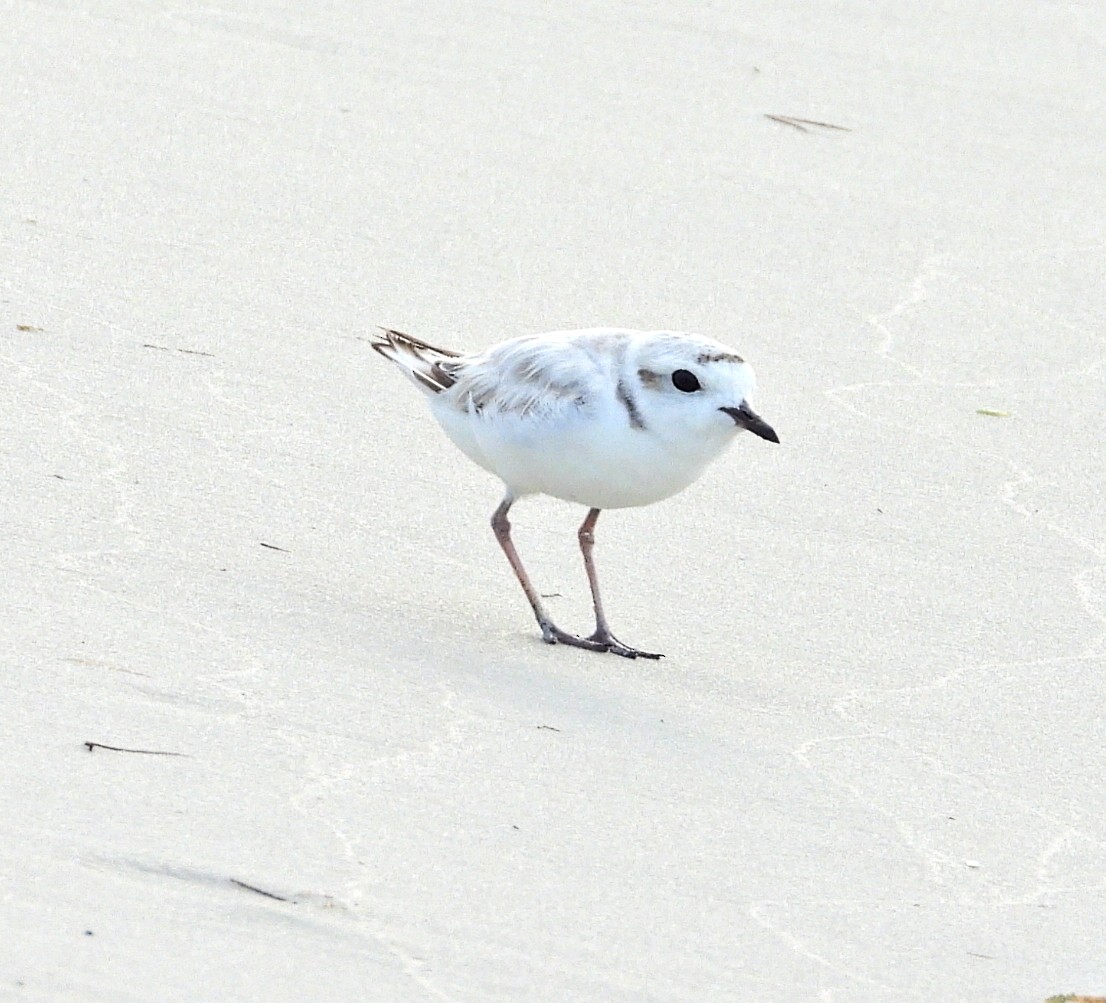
[(183, 351), (987, 957), (547, 727), (88, 933), (259, 891), (802, 123), (140, 752), (273, 546), (58, 476), (552, 595)]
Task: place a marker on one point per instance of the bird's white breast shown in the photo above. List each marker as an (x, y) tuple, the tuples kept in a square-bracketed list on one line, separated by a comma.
[(590, 455)]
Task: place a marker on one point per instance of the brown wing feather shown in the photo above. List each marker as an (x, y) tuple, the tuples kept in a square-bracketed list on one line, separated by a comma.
[(418, 359), (415, 343)]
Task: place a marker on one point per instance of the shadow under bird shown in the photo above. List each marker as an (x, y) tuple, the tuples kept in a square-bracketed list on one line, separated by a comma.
[(606, 418)]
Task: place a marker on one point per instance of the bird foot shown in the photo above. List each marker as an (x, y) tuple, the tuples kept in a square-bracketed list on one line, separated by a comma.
[(601, 640), (616, 647)]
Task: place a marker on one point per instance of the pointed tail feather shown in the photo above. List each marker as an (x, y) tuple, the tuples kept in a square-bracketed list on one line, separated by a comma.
[(421, 362)]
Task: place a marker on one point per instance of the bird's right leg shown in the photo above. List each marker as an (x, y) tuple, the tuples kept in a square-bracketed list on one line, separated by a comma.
[(550, 632), (602, 633)]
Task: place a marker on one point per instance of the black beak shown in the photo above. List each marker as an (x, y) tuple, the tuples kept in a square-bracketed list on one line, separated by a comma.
[(746, 417)]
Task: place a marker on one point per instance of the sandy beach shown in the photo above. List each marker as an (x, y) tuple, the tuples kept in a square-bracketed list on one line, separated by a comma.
[(328, 757)]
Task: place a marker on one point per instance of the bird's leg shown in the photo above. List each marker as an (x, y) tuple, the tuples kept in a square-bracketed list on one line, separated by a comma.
[(550, 632), (602, 635)]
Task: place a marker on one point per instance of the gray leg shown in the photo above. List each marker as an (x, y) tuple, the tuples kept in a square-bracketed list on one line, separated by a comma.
[(550, 632), (602, 635)]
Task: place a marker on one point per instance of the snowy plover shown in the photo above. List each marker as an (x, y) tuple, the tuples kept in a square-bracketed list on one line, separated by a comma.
[(606, 418)]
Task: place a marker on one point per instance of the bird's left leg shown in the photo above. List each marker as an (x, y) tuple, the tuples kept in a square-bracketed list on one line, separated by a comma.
[(602, 633)]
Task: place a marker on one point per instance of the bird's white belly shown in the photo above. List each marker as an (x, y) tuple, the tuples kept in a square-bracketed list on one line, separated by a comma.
[(597, 464)]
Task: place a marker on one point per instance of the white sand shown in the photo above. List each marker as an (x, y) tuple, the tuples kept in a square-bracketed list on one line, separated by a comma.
[(872, 766)]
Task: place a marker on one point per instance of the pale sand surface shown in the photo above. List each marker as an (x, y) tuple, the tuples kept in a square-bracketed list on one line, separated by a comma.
[(871, 768)]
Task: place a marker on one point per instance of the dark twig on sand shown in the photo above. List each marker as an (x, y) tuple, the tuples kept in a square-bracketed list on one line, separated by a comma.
[(802, 123), (260, 891), (183, 351), (140, 752)]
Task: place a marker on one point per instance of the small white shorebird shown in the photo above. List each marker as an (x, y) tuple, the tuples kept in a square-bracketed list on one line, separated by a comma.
[(606, 418)]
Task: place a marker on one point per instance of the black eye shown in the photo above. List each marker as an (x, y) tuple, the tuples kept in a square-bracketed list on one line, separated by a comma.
[(686, 381)]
